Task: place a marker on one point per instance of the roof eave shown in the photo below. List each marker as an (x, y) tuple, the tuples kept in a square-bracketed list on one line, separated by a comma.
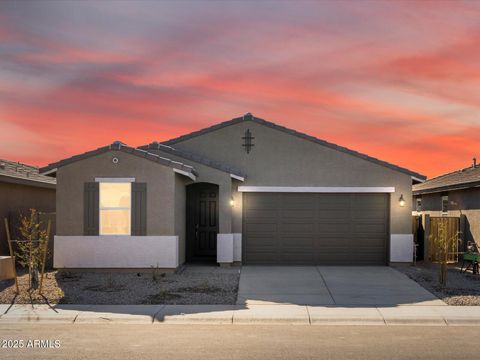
[(433, 190), (51, 168), (27, 182), (180, 153)]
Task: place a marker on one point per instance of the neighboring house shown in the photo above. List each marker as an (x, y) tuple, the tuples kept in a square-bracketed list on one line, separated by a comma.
[(456, 194), (245, 190), (22, 188)]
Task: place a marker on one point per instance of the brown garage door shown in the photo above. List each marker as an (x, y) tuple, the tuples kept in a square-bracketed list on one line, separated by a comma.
[(329, 229)]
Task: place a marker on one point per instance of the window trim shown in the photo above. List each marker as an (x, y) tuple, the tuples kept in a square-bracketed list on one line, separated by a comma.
[(100, 208), (115, 180)]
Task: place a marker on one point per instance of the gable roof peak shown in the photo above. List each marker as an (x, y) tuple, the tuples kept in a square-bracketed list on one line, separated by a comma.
[(250, 117), (119, 146)]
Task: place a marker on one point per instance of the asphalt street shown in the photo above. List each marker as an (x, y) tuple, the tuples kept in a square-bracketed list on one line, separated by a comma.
[(124, 341)]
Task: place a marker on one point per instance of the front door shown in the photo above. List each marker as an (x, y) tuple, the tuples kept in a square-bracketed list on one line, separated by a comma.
[(202, 222)]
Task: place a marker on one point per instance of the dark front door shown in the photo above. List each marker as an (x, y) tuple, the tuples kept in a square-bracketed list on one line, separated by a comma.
[(202, 222)]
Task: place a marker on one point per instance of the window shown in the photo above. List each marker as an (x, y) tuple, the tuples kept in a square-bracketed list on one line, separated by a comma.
[(445, 204), (115, 207), (419, 204)]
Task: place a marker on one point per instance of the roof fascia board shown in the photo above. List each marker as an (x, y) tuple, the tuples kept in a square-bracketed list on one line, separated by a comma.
[(418, 179), (185, 173), (236, 177), (52, 171)]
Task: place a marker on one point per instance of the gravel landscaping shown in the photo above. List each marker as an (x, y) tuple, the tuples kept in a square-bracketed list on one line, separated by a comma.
[(193, 284), (461, 289)]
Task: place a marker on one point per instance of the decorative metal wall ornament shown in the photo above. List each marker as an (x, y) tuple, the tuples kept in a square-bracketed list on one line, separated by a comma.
[(248, 141)]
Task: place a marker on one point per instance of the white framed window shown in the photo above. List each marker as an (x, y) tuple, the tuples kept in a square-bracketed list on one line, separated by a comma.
[(115, 208), (445, 204)]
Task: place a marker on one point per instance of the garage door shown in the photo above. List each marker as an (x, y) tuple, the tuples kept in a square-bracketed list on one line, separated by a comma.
[(308, 229)]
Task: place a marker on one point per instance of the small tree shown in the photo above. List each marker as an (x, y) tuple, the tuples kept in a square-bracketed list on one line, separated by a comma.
[(30, 249), (444, 246), (442, 255)]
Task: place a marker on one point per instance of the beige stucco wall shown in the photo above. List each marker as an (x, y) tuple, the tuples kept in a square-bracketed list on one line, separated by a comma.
[(180, 214), (16, 199), (160, 181), (210, 175), (465, 202), (281, 159)]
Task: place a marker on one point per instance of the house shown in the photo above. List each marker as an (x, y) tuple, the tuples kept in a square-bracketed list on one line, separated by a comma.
[(453, 195), (22, 187), (245, 190)]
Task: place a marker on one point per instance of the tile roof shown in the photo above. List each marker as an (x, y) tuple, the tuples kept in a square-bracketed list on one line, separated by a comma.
[(193, 157), (459, 179), (250, 117), (119, 146), (12, 171)]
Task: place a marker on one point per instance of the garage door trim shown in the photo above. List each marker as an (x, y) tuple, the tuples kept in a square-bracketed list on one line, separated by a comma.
[(318, 189)]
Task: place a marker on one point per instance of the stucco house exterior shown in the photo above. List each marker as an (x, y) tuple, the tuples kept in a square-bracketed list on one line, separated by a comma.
[(245, 190), (455, 194), (22, 188)]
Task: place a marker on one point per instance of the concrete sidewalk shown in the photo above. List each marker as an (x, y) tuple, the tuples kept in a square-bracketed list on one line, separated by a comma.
[(236, 314)]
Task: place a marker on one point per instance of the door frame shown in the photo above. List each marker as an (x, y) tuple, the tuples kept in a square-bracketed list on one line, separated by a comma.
[(192, 198)]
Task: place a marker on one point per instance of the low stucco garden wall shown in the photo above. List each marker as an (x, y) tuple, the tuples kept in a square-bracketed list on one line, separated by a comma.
[(116, 252)]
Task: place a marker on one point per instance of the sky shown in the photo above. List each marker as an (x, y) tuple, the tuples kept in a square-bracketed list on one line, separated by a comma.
[(399, 81)]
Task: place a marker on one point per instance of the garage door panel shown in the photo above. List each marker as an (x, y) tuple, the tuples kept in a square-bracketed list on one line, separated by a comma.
[(333, 214), (266, 201), (303, 243), (368, 200), (377, 215), (296, 228), (368, 228), (261, 227), (296, 214), (296, 201), (263, 214), (263, 244), (332, 201), (370, 239), (330, 229)]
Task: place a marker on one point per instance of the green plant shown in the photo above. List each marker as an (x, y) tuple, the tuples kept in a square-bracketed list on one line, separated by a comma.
[(30, 249)]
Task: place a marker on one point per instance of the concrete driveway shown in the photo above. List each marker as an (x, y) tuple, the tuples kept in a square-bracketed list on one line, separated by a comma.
[(330, 285)]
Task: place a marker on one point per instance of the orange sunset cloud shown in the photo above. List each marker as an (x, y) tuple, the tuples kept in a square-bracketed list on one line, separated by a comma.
[(398, 81)]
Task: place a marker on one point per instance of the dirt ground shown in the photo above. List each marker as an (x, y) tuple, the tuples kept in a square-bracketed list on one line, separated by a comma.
[(461, 289), (190, 285)]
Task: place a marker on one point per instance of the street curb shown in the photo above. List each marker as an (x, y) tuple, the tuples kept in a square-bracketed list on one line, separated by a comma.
[(240, 315)]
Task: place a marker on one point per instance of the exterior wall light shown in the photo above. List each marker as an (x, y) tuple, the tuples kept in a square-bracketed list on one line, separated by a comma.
[(401, 201), (232, 202)]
